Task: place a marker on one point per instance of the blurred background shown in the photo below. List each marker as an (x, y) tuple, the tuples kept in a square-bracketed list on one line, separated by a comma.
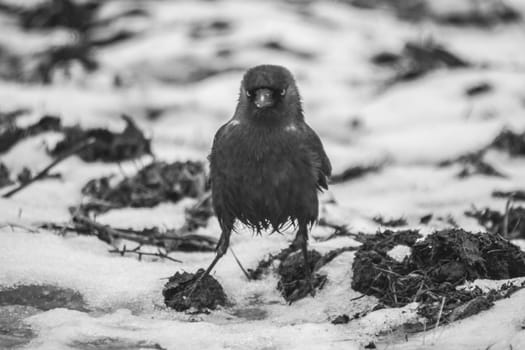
[(409, 83)]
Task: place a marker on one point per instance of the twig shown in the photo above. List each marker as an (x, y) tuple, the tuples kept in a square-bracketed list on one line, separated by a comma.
[(394, 290), (13, 224), (240, 265), (79, 147), (436, 336), (506, 217), (419, 289), (386, 271), (203, 198), (359, 297), (518, 222), (339, 230), (140, 254), (440, 312)]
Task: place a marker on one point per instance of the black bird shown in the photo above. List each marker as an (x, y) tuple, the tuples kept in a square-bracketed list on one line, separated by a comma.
[(266, 163)]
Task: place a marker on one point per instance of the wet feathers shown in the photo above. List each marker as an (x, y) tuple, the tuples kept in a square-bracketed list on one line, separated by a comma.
[(266, 163)]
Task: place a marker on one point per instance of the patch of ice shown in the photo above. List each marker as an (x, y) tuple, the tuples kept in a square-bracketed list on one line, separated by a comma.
[(399, 252)]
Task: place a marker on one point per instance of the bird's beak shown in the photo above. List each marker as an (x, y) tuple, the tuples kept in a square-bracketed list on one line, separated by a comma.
[(263, 98)]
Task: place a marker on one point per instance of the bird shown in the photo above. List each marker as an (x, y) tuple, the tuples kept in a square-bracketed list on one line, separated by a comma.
[(267, 164)]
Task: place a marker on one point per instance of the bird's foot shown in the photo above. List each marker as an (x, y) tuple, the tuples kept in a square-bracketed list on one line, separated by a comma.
[(192, 289), (195, 281)]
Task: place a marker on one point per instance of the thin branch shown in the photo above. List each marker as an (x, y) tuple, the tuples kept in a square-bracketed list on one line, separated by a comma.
[(339, 230), (158, 254), (79, 147), (17, 225), (508, 207), (359, 297), (240, 265), (440, 312)]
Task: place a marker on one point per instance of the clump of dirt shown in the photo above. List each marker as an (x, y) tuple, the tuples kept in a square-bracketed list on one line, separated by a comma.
[(414, 10), (392, 222), (373, 268), (157, 182), (425, 219), (5, 179), (473, 164), (478, 167), (497, 12), (275, 45), (510, 142), (206, 29), (208, 294), (355, 172), (293, 284), (61, 57), (7, 118), (113, 343), (108, 147), (385, 58), (44, 297), (10, 133), (456, 255), (518, 195), (510, 224), (417, 59), (485, 15), (437, 265), (341, 319), (56, 13), (479, 89)]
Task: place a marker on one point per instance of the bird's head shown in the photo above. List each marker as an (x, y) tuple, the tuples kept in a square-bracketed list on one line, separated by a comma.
[(269, 92)]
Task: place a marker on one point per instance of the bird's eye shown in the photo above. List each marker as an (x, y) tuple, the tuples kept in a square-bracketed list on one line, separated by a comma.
[(283, 92), (248, 93)]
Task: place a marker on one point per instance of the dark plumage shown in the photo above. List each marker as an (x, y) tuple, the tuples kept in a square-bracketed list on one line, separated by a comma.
[(266, 163)]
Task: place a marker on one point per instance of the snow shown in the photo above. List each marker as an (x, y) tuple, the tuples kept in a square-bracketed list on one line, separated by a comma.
[(62, 328), (399, 252), (410, 126)]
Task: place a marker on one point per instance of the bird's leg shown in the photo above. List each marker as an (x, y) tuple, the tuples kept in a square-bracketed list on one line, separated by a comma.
[(222, 247), (301, 239)]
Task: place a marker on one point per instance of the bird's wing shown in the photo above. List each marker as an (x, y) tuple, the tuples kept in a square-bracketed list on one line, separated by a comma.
[(316, 147), (223, 130)]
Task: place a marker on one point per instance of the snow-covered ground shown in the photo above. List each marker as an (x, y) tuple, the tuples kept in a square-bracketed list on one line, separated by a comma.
[(411, 126)]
